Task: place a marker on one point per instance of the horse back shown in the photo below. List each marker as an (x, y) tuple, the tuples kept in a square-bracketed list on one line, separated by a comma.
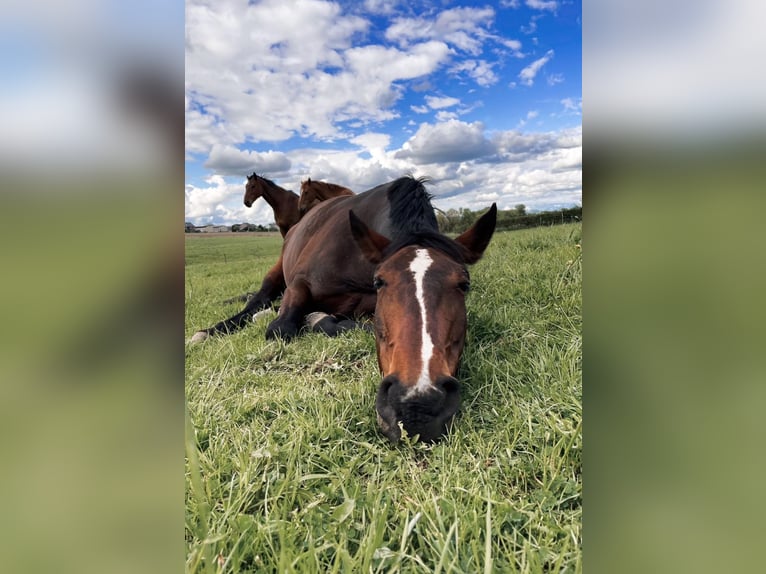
[(320, 249)]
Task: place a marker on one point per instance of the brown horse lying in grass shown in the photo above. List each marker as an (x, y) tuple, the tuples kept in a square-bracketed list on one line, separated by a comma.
[(288, 207), (406, 273)]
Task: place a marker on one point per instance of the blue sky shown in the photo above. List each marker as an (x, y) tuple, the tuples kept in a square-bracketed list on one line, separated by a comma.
[(483, 98)]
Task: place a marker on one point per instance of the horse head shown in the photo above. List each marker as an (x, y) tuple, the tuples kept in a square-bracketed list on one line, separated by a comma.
[(253, 189), (314, 192), (420, 322), (309, 196)]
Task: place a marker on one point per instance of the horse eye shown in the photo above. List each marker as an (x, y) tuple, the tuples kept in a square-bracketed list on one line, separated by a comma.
[(377, 282), (464, 286)]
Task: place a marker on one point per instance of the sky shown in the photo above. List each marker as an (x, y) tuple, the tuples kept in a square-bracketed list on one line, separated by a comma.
[(483, 98)]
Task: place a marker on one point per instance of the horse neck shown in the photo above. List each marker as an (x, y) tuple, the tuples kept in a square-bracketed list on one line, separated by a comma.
[(329, 190), (278, 198)]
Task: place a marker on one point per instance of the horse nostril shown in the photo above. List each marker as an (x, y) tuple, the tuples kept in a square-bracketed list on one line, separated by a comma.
[(448, 384)]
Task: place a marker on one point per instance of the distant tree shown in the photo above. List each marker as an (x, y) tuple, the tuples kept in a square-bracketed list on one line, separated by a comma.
[(235, 227), (520, 209), (442, 220), (466, 219)]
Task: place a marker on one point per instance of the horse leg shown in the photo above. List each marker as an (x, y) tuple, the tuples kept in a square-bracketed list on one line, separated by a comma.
[(239, 298), (272, 287), (295, 301), (331, 325)]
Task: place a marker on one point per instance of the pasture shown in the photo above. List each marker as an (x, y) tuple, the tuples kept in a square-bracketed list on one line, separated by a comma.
[(286, 470)]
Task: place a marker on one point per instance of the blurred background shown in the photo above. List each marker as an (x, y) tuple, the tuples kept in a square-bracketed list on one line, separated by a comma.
[(674, 371), (91, 353), (91, 296)]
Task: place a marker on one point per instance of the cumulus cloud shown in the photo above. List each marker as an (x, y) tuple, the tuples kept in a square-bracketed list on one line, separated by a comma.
[(550, 5), (469, 169), (443, 115), (448, 141), (437, 103), (479, 70), (571, 105), (244, 61), (527, 75), (228, 160), (461, 28), (465, 30)]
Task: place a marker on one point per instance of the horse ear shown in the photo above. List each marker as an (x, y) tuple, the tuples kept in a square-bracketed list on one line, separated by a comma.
[(476, 238), (369, 241)]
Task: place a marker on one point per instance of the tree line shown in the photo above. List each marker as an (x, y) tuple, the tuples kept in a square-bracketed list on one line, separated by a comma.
[(457, 220)]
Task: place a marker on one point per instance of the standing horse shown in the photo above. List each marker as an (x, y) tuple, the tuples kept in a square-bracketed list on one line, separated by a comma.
[(314, 192), (405, 272), (282, 201)]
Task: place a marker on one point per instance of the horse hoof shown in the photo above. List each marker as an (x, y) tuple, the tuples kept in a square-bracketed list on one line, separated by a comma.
[(313, 318), (279, 332), (261, 314), (198, 337)]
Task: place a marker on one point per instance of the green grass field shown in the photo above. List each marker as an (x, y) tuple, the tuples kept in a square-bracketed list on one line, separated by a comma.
[(287, 472)]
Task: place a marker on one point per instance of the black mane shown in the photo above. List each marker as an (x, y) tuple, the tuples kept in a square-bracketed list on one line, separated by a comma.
[(410, 208), (413, 220), (256, 176)]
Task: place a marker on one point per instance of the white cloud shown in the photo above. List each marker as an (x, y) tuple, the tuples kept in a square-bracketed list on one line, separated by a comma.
[(571, 105), (532, 114), (514, 45), (443, 116), (568, 158), (461, 28), (479, 70), (228, 160), (448, 141), (527, 75), (373, 143), (540, 170), (245, 61), (532, 27), (550, 5), (381, 6), (554, 79), (437, 103), (419, 109)]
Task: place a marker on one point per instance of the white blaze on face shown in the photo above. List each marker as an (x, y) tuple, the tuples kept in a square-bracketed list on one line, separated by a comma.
[(419, 266)]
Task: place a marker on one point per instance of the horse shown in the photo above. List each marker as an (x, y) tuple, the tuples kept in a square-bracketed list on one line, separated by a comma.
[(282, 201), (314, 192), (405, 273)]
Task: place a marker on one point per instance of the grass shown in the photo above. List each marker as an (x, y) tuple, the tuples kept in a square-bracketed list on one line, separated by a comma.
[(287, 472)]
